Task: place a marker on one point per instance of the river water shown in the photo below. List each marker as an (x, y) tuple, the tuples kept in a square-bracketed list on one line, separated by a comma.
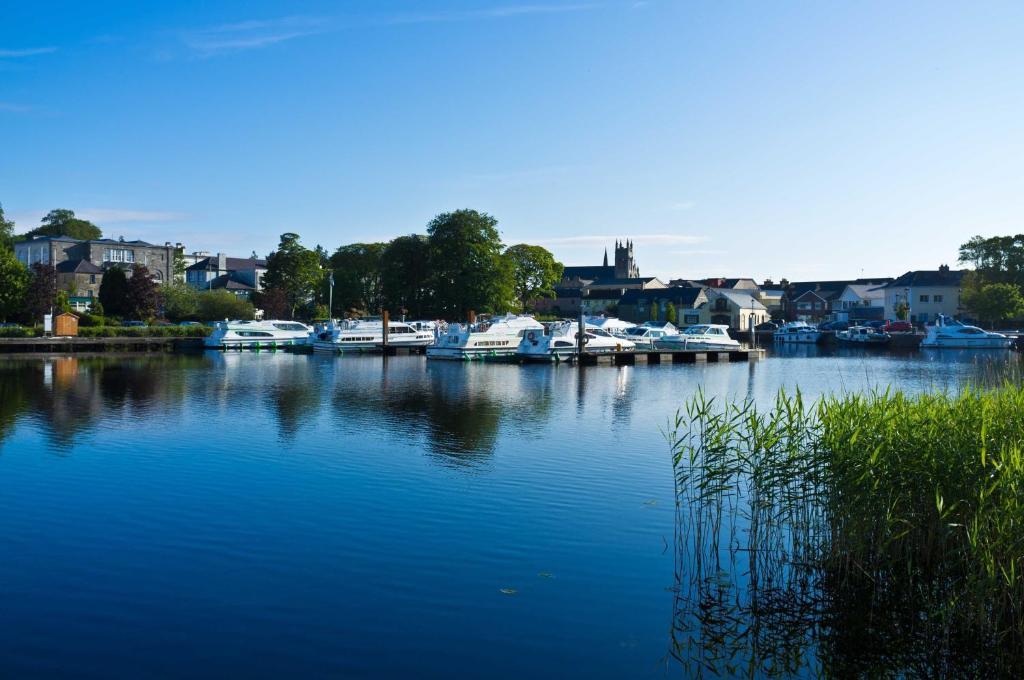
[(274, 514)]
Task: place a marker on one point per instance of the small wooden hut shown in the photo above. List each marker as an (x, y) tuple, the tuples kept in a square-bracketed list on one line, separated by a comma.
[(65, 325)]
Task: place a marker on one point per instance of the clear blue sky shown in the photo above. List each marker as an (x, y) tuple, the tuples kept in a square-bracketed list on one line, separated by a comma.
[(807, 140)]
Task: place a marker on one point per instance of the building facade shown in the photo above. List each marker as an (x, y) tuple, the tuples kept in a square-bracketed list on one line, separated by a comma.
[(924, 295), (242, 276)]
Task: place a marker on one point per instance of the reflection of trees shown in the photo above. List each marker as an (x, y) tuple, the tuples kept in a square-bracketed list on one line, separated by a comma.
[(69, 395), (458, 408)]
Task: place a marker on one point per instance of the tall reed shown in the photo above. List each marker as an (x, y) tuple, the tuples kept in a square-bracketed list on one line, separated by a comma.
[(905, 509)]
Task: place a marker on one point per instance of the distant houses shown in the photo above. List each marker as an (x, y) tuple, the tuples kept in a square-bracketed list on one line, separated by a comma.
[(241, 276), (925, 294)]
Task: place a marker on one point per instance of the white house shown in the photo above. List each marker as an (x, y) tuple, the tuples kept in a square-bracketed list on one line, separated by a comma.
[(859, 302)]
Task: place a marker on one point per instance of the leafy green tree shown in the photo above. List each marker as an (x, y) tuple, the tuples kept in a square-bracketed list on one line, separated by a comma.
[(63, 222), (13, 283), (995, 302), (273, 302), (998, 259), (216, 305), (469, 271), (654, 311), (114, 292), (406, 276), (535, 273), (670, 313), (357, 277), (902, 309), (143, 294), (181, 301), (294, 270), (41, 292), (179, 265), (6, 229)]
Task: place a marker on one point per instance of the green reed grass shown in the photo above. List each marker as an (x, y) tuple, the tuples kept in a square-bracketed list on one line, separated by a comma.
[(882, 498)]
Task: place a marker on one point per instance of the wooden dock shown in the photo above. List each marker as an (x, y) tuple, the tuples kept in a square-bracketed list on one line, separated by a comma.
[(662, 356), (69, 345)]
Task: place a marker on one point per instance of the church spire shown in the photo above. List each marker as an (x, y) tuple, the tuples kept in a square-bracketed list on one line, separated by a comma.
[(606, 256)]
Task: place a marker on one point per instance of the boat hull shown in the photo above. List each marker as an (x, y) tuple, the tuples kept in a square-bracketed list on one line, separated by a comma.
[(471, 353), (361, 347)]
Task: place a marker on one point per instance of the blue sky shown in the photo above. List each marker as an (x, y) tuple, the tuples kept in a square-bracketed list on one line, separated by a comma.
[(806, 140)]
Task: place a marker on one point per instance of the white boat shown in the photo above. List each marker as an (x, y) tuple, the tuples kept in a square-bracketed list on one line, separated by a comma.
[(560, 344), (254, 334), (610, 324), (700, 337), (799, 332), (368, 336), (863, 335), (485, 340), (646, 336), (949, 333)]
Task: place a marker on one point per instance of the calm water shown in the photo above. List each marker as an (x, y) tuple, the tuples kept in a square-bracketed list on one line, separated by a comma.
[(264, 514)]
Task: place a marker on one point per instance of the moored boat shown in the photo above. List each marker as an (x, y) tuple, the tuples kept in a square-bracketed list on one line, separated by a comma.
[(560, 343), (485, 340), (798, 332), (368, 336), (700, 337), (257, 334), (863, 335), (952, 334)]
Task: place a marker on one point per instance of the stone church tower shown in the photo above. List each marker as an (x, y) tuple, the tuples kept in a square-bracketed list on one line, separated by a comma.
[(625, 265)]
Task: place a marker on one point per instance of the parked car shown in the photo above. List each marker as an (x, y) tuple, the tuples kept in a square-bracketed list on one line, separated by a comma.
[(834, 326), (766, 327), (898, 327), (133, 324), (875, 324)]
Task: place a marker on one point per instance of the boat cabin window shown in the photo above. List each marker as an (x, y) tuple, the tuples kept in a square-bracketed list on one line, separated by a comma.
[(289, 326), (970, 331)]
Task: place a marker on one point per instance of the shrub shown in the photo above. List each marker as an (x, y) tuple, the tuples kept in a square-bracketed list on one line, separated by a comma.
[(91, 320)]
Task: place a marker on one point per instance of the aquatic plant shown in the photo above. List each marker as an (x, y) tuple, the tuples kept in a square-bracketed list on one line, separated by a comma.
[(859, 534)]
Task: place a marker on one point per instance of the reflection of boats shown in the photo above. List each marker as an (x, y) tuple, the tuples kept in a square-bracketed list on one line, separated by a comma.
[(952, 334), (561, 343), (700, 337), (368, 336), (645, 336), (863, 335), (486, 340), (798, 332), (272, 333), (611, 325)]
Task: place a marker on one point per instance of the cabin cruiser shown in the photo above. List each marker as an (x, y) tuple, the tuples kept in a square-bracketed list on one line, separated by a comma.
[(700, 337), (949, 333), (253, 334), (645, 336), (485, 340), (613, 326), (368, 336), (799, 332), (560, 344), (863, 335)]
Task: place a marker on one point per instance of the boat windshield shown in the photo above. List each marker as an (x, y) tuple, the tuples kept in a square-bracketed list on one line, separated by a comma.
[(637, 331), (696, 330)]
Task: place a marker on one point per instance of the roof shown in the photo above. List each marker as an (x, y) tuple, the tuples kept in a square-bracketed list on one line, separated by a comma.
[(864, 290), (77, 267), (928, 277), (231, 263), (624, 282), (830, 289), (678, 295), (104, 241), (740, 298), (603, 294), (229, 282), (589, 273), (562, 292)]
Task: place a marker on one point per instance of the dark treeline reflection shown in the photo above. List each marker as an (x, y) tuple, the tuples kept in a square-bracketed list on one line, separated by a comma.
[(457, 409), (68, 395)]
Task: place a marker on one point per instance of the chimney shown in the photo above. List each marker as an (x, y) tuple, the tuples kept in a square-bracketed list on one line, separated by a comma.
[(222, 262), (944, 268)]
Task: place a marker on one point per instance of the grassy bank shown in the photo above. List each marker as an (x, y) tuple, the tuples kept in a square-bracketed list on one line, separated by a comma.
[(116, 332), (886, 527)]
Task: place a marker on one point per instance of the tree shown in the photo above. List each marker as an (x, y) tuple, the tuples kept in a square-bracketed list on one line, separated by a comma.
[(273, 302), (215, 305), (13, 283), (902, 309), (535, 273), (114, 292), (143, 294), (995, 302), (63, 222), (179, 265), (654, 310), (998, 259), (405, 276), (41, 292), (295, 271), (6, 229), (357, 276), (181, 301), (670, 313), (469, 272)]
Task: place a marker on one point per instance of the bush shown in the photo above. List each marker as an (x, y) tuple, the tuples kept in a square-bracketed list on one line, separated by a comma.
[(17, 332), (91, 320), (217, 305), (144, 332)]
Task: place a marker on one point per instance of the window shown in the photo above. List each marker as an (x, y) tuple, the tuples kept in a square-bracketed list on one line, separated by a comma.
[(691, 318), (92, 279), (923, 298), (936, 298), (817, 305), (118, 255), (803, 306)]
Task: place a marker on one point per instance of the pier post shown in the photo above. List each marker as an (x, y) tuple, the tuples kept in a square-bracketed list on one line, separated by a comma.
[(385, 317)]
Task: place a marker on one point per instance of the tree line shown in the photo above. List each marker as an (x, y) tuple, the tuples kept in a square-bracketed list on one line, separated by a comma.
[(460, 265), (994, 290)]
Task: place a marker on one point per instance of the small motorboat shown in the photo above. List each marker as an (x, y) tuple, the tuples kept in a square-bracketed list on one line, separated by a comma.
[(700, 337), (952, 334), (798, 332), (560, 344), (485, 340), (863, 335)]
